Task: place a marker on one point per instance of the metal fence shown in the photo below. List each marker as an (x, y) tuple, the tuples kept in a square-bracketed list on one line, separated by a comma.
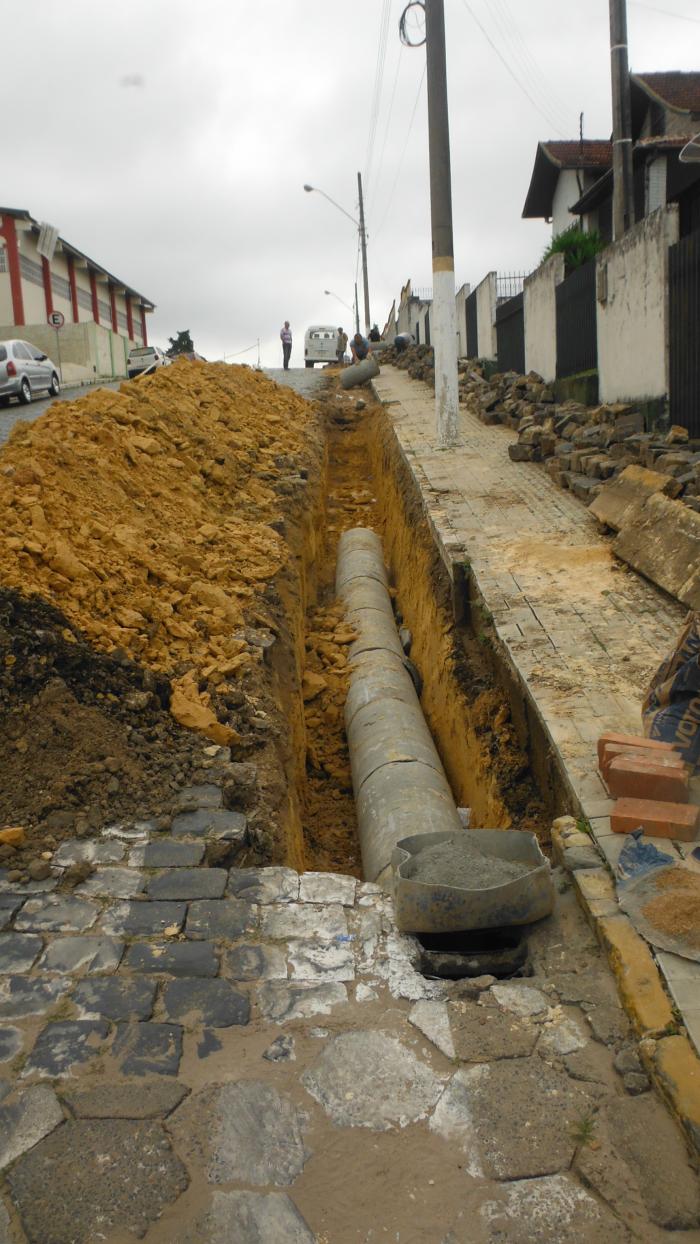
[(472, 326), (510, 334), (684, 300), (508, 284), (577, 342)]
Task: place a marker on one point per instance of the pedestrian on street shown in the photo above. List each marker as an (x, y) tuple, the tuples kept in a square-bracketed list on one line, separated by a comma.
[(286, 339), (342, 346), (359, 348), (374, 333)]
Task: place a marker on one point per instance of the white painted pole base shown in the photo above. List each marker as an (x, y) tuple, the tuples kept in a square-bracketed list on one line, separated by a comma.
[(445, 346)]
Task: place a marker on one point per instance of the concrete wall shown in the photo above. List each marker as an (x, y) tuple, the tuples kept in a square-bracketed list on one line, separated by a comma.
[(86, 350), (540, 309), (461, 313), (486, 317), (32, 293), (6, 314), (420, 311), (632, 310)]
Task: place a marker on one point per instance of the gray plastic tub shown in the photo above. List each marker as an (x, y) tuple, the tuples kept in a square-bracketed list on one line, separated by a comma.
[(422, 907)]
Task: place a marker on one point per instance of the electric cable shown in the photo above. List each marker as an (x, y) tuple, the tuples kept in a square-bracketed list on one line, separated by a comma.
[(534, 75), (389, 114), (653, 8), (377, 92)]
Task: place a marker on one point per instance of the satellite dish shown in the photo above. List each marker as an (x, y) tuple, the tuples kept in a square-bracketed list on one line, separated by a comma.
[(691, 152)]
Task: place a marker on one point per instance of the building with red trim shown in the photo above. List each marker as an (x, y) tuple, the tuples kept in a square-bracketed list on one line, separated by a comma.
[(103, 316)]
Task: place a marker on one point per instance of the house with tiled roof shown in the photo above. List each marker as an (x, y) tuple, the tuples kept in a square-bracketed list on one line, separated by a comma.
[(562, 172)]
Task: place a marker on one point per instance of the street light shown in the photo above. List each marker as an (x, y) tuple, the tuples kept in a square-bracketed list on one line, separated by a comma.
[(353, 310), (360, 225)]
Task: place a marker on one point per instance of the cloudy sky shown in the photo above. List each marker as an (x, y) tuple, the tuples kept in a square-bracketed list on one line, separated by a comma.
[(171, 142)]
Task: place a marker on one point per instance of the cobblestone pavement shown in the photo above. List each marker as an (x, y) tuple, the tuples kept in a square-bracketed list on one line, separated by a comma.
[(193, 1054), (581, 632), (306, 381)]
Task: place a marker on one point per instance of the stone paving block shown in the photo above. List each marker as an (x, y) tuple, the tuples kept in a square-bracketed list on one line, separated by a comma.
[(82, 954), (173, 958), (11, 1042), (522, 1111), (20, 997), (327, 888), (8, 906), (224, 918), (310, 961), (368, 1079), (482, 1034), (676, 1068), (216, 823), (636, 974), (148, 1049), (432, 1019), (65, 1045), (152, 1100), (116, 998), (188, 883), (25, 889), (207, 795), (57, 914), (140, 919), (212, 1002), (561, 1037), (645, 1136), (34, 1115), (252, 962), (249, 1218), (112, 883), (264, 885), (299, 920), (554, 1210), (18, 951), (167, 854), (92, 852), (245, 1131), (118, 1173), (281, 1050), (520, 999), (282, 1001)]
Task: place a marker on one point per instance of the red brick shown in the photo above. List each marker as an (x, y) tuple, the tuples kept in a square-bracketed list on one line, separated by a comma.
[(665, 758), (631, 740), (639, 777), (658, 820)]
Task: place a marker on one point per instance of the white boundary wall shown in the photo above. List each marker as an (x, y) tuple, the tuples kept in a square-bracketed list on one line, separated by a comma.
[(632, 310), (540, 309), (486, 317), (461, 312)]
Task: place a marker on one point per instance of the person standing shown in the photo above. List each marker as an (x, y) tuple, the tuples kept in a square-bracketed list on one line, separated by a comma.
[(342, 346), (286, 339)]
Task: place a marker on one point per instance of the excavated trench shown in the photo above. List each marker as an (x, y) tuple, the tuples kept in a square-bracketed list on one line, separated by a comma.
[(364, 482)]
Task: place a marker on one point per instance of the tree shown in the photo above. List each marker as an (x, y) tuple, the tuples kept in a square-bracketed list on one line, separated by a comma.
[(182, 344)]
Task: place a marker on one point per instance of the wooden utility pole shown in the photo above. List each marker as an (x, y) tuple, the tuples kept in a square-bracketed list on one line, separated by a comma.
[(445, 319), (623, 186), (363, 244)]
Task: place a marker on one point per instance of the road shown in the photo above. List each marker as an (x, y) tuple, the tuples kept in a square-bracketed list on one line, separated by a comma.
[(307, 381), (14, 413)]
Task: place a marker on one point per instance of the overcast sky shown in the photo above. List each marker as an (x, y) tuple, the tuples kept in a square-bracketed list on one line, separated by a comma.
[(171, 141)]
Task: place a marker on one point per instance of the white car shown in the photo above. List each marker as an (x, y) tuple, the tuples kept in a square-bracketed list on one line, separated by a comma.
[(320, 344), (24, 370), (145, 358)]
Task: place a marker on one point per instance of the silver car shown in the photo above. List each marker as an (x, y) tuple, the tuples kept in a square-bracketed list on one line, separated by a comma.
[(24, 371)]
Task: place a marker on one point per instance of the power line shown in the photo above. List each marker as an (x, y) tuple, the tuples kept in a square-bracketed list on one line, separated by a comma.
[(378, 80), (403, 153), (537, 80), (386, 127), (652, 8), (508, 68)]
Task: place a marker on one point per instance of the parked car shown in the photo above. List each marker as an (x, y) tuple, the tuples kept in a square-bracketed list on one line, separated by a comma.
[(141, 358), (24, 371), (320, 344)]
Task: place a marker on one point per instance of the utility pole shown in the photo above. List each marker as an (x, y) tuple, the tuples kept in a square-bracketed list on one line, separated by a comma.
[(357, 311), (445, 321), (363, 244), (623, 190)]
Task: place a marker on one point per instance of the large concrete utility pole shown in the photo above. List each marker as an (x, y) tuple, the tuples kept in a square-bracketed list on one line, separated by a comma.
[(623, 188), (363, 244), (444, 314)]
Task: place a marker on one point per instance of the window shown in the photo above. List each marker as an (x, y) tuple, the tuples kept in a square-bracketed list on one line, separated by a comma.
[(20, 351), (61, 287), (31, 271), (3, 259), (3, 354), (122, 321), (105, 311), (84, 299)]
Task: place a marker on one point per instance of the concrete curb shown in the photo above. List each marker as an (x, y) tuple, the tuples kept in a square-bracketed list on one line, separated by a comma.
[(668, 1055)]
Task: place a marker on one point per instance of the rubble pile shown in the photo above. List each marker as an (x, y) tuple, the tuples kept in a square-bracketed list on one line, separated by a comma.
[(582, 446)]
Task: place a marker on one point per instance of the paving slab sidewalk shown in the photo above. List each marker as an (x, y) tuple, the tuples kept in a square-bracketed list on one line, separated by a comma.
[(582, 634)]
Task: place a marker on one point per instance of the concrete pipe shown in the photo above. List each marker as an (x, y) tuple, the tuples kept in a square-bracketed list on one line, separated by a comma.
[(359, 373), (399, 782)]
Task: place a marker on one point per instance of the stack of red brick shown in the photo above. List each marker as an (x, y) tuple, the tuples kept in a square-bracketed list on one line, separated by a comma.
[(649, 782)]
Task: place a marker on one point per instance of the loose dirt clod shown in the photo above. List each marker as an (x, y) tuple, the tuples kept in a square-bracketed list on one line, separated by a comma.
[(459, 862)]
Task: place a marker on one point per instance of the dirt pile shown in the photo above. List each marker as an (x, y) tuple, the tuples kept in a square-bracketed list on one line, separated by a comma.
[(151, 518), (676, 909)]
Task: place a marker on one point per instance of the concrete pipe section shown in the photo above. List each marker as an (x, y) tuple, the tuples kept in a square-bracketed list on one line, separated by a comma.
[(399, 782)]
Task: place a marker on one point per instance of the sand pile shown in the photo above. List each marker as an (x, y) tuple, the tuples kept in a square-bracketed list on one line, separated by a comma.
[(148, 518)]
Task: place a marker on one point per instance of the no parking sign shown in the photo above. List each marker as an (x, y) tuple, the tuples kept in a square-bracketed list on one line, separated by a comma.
[(57, 319)]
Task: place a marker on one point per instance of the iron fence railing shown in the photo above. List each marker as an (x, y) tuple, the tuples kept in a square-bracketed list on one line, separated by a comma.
[(684, 325), (577, 334)]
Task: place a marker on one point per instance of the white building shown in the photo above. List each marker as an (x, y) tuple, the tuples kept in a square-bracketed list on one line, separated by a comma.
[(103, 316)]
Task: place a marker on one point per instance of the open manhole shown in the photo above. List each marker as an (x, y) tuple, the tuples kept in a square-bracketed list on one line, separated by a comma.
[(479, 952)]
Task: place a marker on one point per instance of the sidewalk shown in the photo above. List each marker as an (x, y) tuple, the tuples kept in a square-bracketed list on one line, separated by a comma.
[(580, 632)]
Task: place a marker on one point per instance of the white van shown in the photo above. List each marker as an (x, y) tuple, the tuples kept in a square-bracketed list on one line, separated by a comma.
[(320, 344)]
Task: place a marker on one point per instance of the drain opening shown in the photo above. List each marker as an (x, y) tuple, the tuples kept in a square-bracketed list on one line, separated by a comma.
[(477, 952)]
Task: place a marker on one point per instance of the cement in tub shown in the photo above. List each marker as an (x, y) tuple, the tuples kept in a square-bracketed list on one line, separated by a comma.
[(429, 907)]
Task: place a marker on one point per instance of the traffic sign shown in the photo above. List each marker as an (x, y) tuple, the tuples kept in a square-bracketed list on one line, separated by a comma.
[(56, 319)]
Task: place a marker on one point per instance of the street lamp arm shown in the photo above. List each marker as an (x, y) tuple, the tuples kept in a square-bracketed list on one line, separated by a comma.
[(342, 300), (330, 200)]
